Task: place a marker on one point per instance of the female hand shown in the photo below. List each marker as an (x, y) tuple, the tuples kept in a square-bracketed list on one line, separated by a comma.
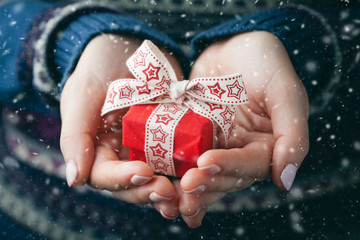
[(92, 145), (271, 131)]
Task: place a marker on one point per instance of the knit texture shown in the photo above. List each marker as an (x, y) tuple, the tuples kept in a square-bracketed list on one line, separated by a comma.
[(84, 27), (16, 78), (15, 21), (35, 201)]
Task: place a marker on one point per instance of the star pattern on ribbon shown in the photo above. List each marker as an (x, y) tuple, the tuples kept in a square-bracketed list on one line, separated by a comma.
[(163, 83), (151, 72), (163, 118), (139, 58), (216, 90), (143, 89), (214, 106), (158, 150), (159, 134), (112, 95), (227, 115), (173, 109), (199, 87), (126, 92), (160, 165), (235, 90)]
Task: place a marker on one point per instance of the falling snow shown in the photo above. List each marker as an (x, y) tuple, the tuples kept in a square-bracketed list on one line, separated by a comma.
[(357, 145), (334, 154)]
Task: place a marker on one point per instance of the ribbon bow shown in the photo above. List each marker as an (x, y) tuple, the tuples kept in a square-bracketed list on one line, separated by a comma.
[(156, 82)]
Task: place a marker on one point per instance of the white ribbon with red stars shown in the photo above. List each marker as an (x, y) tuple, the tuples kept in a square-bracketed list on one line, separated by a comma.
[(156, 82)]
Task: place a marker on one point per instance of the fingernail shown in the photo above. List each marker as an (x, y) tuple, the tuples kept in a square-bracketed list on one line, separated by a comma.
[(288, 175), (139, 180), (166, 216), (212, 169), (198, 190), (194, 215), (154, 197), (71, 172)]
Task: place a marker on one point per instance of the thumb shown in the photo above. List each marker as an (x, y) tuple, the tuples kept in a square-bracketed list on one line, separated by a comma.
[(288, 105), (80, 113), (82, 99)]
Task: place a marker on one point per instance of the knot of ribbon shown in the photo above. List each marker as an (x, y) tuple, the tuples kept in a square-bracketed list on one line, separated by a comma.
[(178, 89), (156, 82)]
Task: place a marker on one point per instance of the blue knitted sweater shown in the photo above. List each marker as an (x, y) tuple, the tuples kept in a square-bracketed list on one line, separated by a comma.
[(40, 45)]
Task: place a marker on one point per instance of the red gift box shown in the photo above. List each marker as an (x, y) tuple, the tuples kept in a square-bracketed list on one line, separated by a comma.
[(194, 135)]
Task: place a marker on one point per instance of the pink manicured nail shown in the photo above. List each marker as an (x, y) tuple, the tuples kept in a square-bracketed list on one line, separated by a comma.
[(288, 175), (194, 215), (139, 180), (212, 169), (198, 190), (154, 197), (166, 216), (71, 172)]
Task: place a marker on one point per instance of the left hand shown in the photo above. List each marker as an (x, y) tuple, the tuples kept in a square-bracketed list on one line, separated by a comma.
[(91, 144), (271, 131)]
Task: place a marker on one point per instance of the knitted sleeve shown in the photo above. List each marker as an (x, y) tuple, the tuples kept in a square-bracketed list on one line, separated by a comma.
[(310, 42), (15, 21), (54, 39)]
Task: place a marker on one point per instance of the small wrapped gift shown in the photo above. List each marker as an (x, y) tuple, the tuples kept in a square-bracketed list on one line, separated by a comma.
[(194, 135), (171, 123)]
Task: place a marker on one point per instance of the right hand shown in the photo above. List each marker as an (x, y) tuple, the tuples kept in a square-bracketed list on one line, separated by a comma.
[(92, 145), (270, 136)]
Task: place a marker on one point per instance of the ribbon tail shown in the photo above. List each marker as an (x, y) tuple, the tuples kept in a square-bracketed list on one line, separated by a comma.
[(149, 65), (222, 115), (227, 90), (124, 93)]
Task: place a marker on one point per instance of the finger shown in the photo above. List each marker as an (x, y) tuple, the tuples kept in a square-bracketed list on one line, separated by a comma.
[(111, 140), (191, 204), (196, 181), (193, 207), (169, 209), (195, 220), (112, 121), (79, 125), (192, 210), (253, 160), (158, 190), (288, 109), (83, 97), (114, 175)]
